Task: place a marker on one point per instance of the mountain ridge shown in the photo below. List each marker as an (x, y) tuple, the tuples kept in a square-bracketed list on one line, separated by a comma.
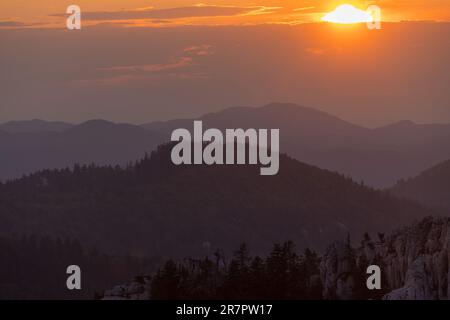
[(156, 207), (380, 157), (34, 125), (431, 187)]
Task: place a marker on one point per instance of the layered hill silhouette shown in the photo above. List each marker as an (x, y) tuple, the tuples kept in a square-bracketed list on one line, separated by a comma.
[(431, 187), (26, 149), (155, 208), (379, 157), (35, 125)]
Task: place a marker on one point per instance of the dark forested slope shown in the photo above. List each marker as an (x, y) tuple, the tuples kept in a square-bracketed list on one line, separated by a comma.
[(154, 208)]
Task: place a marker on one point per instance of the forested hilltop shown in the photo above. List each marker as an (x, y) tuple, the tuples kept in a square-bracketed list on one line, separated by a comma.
[(431, 187), (154, 208)]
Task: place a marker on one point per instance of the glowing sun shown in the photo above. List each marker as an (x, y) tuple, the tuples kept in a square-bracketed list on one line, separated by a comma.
[(347, 13)]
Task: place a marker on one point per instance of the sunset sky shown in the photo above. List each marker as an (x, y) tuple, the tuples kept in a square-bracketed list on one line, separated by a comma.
[(138, 61), (40, 13)]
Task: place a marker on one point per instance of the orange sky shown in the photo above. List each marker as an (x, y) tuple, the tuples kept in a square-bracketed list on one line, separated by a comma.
[(39, 13), (130, 74)]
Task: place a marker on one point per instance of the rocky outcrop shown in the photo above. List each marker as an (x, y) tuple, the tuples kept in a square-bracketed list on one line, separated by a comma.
[(138, 289), (414, 262), (417, 284), (337, 272)]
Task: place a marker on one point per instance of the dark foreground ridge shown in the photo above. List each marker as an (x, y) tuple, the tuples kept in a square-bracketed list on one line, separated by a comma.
[(413, 261), (154, 208)]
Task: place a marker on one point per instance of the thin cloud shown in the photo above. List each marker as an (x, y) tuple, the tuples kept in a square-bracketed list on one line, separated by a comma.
[(149, 68), (200, 10), (16, 24), (262, 10), (202, 50), (182, 67), (12, 24), (305, 9)]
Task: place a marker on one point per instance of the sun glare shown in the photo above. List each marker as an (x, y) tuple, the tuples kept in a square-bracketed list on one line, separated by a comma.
[(347, 14)]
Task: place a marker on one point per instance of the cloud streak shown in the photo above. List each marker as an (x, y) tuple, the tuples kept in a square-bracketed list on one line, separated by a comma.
[(16, 24), (149, 68), (196, 11), (181, 67)]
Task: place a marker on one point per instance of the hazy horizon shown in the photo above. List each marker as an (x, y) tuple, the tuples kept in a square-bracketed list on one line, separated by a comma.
[(196, 116)]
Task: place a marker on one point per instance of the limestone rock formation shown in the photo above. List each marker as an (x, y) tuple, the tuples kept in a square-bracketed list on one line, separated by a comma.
[(414, 262), (138, 289)]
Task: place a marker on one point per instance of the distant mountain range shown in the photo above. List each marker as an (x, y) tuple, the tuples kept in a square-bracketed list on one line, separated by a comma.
[(96, 141), (35, 125), (379, 157), (431, 187), (154, 208)]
